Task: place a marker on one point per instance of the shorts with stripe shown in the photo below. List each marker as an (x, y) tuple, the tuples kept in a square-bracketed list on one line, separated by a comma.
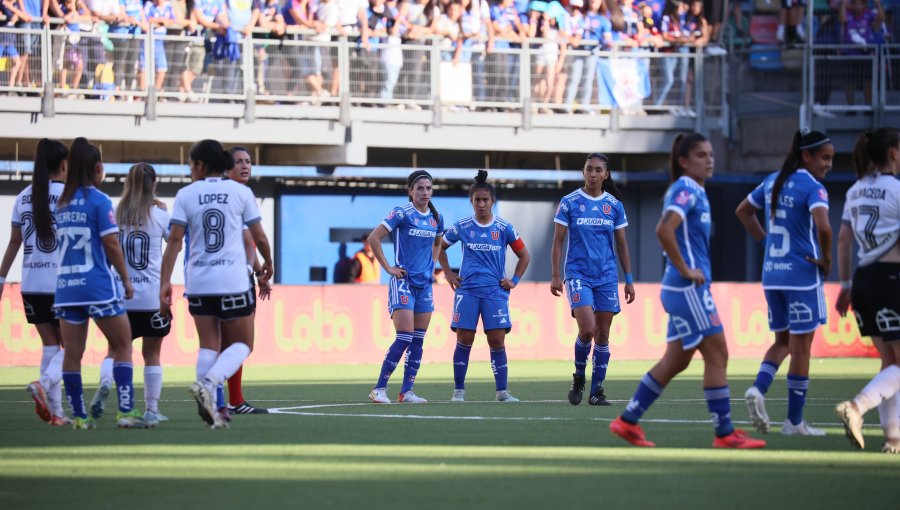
[(692, 315), (493, 311), (799, 311), (39, 308), (224, 307), (403, 296), (79, 314), (148, 324), (876, 300), (603, 297)]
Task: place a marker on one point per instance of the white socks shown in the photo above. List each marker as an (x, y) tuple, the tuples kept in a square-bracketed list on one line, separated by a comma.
[(889, 413), (47, 354), (106, 372), (229, 361), (152, 387), (883, 386), (206, 358)]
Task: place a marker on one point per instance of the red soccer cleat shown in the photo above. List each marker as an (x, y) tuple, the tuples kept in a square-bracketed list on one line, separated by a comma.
[(41, 404), (631, 432), (739, 440)]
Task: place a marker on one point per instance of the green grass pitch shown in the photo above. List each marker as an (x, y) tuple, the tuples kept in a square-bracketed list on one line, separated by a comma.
[(329, 448)]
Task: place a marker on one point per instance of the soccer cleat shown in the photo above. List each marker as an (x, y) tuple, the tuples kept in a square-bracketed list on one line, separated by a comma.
[(738, 439), (41, 404), (205, 403), (161, 416), (577, 390), (853, 422), (59, 421), (458, 396), (98, 403), (411, 398), (801, 429), (223, 419), (598, 398), (891, 447), (756, 407), (131, 420), (379, 396), (504, 396), (83, 423), (631, 432), (152, 418), (245, 408)]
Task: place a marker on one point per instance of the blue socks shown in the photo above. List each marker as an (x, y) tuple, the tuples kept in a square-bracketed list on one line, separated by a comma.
[(499, 367), (797, 387), (461, 364), (220, 396), (601, 361), (123, 374), (647, 392), (766, 375), (74, 393), (413, 360), (717, 401), (582, 350), (393, 356)]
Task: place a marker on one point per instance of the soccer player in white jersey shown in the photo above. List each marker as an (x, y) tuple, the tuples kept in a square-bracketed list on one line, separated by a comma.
[(33, 226), (416, 229), (482, 288), (694, 323), (144, 225), (872, 216), (215, 210), (796, 264), (87, 288), (594, 219)]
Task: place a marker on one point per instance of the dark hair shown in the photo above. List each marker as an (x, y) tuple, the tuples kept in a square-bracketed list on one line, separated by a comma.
[(609, 185), (682, 146), (83, 159), (238, 148), (48, 157), (871, 149), (811, 142), (481, 183), (213, 155), (411, 180)]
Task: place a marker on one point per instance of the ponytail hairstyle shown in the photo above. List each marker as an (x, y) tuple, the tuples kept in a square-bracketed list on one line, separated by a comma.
[(213, 155), (871, 149), (411, 181), (481, 183), (138, 197), (609, 185), (82, 160), (48, 158), (811, 142), (682, 146)]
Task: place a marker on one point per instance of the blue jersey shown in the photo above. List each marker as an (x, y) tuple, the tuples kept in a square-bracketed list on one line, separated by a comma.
[(592, 223), (688, 199), (414, 233), (791, 234), (484, 254), (84, 276)]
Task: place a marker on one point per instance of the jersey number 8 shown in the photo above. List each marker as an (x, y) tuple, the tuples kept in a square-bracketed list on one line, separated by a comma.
[(213, 230)]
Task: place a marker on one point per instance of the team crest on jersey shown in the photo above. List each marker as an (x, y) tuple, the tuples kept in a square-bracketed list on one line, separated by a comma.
[(683, 198), (607, 209), (581, 207), (471, 233), (432, 222), (714, 320), (576, 298), (404, 299), (495, 235), (456, 317)]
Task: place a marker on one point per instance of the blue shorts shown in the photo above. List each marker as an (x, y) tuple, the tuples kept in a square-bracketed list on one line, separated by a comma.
[(8, 46), (692, 315), (403, 296), (159, 57), (603, 297), (80, 314), (799, 311), (494, 312)]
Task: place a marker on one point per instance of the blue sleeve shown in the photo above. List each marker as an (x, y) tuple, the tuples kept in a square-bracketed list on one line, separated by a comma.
[(680, 200), (817, 197), (394, 219), (451, 236), (562, 213), (621, 218), (757, 197), (511, 234), (106, 217)]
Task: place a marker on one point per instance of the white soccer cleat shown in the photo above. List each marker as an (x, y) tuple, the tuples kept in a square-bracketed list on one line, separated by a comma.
[(756, 407), (411, 398), (98, 403), (853, 422), (504, 396), (801, 429), (206, 407), (458, 396), (891, 446), (379, 396)]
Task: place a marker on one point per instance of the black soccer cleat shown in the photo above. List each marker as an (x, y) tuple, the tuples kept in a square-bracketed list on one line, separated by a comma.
[(245, 408), (598, 398), (577, 390)]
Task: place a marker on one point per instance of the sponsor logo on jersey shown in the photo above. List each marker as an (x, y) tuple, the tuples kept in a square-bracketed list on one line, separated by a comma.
[(683, 197), (417, 232), (581, 207), (483, 234), (594, 221), (495, 235), (595, 208), (607, 209), (483, 247)]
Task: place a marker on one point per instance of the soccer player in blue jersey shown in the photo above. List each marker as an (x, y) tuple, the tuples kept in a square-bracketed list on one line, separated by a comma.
[(694, 323), (33, 227), (796, 263), (594, 218), (417, 230), (482, 288), (86, 287)]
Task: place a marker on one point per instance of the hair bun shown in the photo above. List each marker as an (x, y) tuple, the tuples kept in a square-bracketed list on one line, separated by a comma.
[(482, 176)]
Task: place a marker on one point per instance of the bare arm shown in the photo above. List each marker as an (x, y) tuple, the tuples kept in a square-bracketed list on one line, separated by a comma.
[(521, 266), (375, 243), (12, 249), (845, 242), (665, 232), (746, 214), (262, 245), (559, 237), (452, 278), (625, 261), (173, 248), (113, 251), (823, 231)]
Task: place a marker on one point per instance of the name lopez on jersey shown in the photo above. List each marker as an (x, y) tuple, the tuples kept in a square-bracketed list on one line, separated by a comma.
[(212, 198)]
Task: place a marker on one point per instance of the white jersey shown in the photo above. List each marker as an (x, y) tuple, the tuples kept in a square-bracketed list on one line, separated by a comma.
[(142, 247), (215, 211), (873, 211), (41, 259)]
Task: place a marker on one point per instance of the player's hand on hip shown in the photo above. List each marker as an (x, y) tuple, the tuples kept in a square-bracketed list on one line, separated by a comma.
[(453, 279), (507, 284), (824, 264), (695, 275), (397, 272), (556, 286)]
